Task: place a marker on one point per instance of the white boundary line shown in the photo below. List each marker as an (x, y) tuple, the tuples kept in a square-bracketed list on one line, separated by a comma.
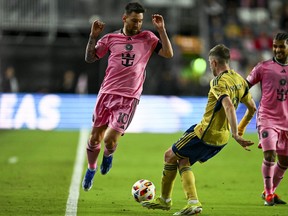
[(72, 201)]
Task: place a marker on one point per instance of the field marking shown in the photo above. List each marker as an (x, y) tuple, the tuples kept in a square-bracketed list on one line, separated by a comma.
[(72, 201), (13, 160)]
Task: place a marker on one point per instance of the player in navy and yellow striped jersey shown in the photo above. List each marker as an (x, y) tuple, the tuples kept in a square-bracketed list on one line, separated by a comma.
[(205, 139)]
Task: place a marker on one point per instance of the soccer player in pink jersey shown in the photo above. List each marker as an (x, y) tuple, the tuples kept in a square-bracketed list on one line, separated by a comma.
[(129, 49), (272, 116)]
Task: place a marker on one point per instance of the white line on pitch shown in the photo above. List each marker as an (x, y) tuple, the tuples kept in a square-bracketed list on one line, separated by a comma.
[(72, 201)]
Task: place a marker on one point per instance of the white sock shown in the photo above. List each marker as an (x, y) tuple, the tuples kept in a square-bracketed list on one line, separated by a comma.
[(193, 201), (166, 200)]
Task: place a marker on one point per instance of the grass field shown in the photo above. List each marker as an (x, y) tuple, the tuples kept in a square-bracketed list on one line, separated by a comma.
[(36, 169)]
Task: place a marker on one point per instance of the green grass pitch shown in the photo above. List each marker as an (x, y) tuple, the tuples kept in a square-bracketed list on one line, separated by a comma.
[(36, 169)]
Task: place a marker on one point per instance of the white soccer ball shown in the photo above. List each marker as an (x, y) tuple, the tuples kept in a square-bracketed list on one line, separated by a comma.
[(143, 190)]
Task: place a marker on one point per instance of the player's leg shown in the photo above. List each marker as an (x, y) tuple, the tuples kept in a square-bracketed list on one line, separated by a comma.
[(267, 174), (282, 164), (279, 171), (268, 138), (93, 149), (191, 149), (121, 111), (188, 180), (111, 141), (164, 202), (282, 155), (188, 183)]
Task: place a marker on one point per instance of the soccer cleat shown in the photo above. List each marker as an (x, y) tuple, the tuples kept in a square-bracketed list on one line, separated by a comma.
[(269, 200), (277, 199), (157, 203), (106, 164), (87, 182), (190, 209)]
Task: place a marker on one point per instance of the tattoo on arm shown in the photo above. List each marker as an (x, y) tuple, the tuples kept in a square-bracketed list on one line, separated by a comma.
[(90, 55)]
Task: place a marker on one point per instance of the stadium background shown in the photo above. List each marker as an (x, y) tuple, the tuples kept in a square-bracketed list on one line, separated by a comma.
[(43, 41), (43, 44)]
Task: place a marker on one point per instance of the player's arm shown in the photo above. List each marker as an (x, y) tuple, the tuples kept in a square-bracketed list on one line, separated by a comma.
[(250, 112), (166, 50), (232, 119), (96, 28)]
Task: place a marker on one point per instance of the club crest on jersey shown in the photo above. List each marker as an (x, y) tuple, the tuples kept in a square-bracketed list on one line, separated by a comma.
[(264, 134), (128, 47), (282, 82)]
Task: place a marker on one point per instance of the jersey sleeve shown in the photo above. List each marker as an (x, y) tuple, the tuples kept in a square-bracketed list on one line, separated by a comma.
[(156, 43), (101, 47), (255, 75), (246, 96)]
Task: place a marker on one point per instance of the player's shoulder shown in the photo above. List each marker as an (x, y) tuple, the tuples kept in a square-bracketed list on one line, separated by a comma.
[(265, 63), (113, 33), (112, 36), (219, 79)]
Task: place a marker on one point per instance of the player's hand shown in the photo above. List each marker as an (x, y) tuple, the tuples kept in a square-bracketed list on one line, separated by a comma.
[(96, 28), (158, 21), (244, 143)]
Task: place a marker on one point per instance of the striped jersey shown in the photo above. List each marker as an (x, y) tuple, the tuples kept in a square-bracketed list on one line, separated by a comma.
[(128, 57), (214, 128), (273, 107)]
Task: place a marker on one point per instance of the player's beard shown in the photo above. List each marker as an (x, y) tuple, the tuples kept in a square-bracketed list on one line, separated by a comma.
[(280, 57), (132, 31)]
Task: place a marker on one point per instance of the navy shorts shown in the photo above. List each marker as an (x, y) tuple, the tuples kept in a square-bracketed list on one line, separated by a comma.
[(190, 146)]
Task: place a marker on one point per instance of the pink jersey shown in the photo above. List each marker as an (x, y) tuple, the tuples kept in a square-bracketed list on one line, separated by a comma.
[(128, 57), (273, 107)]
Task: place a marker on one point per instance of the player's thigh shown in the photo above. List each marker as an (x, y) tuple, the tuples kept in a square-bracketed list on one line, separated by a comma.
[(97, 134), (282, 148), (268, 138), (283, 160), (170, 157)]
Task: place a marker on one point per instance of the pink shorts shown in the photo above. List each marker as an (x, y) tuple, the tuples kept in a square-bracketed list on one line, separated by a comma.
[(115, 111), (273, 139)]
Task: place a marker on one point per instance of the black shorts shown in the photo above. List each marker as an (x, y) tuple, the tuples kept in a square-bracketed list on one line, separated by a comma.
[(190, 146)]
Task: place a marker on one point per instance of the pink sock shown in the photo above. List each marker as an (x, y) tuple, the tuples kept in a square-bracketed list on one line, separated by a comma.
[(92, 155), (108, 152), (267, 173), (278, 175)]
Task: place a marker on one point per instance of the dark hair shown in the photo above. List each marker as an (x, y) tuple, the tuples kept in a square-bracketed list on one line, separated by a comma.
[(281, 36), (134, 7), (221, 53)]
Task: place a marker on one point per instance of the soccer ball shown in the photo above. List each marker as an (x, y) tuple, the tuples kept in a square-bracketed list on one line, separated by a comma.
[(143, 190)]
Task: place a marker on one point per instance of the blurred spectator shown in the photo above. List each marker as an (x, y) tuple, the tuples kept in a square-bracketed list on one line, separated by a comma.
[(213, 8), (283, 23), (82, 83), (263, 42), (68, 82), (10, 82)]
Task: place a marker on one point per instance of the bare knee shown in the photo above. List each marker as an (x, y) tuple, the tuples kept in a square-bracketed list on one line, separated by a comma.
[(170, 157), (96, 136), (94, 140), (110, 142), (111, 138), (270, 156), (184, 163)]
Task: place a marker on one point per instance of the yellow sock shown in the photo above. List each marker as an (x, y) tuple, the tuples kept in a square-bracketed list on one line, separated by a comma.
[(188, 183), (168, 177)]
